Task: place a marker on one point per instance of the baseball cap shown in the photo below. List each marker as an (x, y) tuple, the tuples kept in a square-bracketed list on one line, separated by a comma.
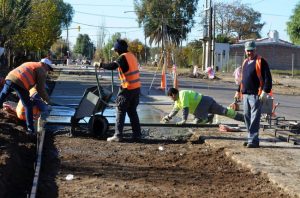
[(250, 45), (47, 62), (120, 45)]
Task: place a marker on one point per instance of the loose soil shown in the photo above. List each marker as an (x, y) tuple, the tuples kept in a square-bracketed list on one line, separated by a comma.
[(153, 168)]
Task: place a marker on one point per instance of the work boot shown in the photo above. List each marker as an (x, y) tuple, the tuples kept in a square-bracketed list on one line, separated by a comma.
[(200, 121), (239, 117), (115, 138), (251, 145)]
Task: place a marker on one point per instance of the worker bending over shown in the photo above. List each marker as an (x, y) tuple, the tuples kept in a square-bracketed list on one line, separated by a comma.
[(198, 105), (21, 80)]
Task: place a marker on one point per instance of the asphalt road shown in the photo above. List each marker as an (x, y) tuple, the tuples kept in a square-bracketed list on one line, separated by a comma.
[(223, 93)]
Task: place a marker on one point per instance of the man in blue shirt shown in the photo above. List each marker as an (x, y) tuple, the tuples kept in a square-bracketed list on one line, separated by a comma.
[(256, 84)]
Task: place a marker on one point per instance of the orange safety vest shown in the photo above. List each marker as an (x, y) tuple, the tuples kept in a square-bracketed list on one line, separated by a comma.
[(258, 73), (130, 79), (26, 73), (20, 109)]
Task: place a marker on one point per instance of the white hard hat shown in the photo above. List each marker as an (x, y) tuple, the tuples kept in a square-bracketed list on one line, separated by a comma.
[(47, 62)]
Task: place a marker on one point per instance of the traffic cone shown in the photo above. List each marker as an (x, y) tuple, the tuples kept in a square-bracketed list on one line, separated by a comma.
[(163, 80)]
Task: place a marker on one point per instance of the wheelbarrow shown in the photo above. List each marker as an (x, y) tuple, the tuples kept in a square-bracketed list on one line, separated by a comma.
[(93, 103)]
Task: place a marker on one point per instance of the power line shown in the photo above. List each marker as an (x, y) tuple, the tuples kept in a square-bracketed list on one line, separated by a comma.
[(96, 5), (257, 2), (270, 14), (102, 15), (102, 26)]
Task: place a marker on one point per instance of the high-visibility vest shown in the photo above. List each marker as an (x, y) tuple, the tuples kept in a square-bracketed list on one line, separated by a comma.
[(188, 98), (131, 78), (26, 74), (258, 73), (20, 109)]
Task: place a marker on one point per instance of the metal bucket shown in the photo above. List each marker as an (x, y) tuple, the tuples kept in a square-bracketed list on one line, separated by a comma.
[(267, 106)]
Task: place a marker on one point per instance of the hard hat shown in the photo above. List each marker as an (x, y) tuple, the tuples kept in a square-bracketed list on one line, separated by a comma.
[(47, 62), (250, 45)]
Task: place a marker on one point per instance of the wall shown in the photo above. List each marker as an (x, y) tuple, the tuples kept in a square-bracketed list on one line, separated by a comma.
[(279, 56)]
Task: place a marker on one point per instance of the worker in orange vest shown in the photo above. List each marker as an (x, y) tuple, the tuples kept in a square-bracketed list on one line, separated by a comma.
[(38, 106), (129, 92), (21, 80), (256, 84)]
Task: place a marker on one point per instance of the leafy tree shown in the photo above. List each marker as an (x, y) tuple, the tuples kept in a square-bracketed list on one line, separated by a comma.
[(13, 18), (107, 52), (293, 25), (237, 20), (84, 46), (137, 48), (66, 13), (60, 48), (41, 34), (221, 38), (166, 20)]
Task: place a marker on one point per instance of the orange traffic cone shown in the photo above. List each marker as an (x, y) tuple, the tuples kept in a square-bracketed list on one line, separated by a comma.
[(163, 80)]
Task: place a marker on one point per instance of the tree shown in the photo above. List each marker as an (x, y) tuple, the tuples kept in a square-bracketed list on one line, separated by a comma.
[(107, 52), (66, 13), (41, 34), (237, 20), (293, 25), (13, 18), (60, 48), (166, 20), (84, 46)]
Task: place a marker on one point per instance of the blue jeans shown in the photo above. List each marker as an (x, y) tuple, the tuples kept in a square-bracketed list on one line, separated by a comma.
[(24, 97), (252, 113)]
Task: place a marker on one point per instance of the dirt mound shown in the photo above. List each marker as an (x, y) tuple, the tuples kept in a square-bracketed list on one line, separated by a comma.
[(17, 157)]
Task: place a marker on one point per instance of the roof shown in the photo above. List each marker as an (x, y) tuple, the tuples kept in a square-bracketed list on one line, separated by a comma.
[(266, 41)]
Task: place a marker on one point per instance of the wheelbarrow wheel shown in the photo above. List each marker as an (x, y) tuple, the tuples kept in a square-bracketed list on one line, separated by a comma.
[(98, 126)]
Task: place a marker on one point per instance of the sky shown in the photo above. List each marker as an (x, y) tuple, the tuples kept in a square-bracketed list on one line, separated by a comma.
[(119, 16)]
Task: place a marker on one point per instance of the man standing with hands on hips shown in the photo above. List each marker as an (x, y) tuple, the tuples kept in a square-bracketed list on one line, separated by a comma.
[(256, 84)]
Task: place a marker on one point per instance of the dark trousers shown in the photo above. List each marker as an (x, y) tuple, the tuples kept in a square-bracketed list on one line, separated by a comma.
[(127, 102), (24, 97)]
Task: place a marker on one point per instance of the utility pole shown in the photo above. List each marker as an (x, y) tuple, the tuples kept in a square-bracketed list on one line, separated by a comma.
[(208, 34), (163, 44)]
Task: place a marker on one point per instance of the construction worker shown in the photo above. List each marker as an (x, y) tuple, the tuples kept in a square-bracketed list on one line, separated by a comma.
[(198, 105), (256, 83), (21, 80), (128, 97), (39, 107)]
